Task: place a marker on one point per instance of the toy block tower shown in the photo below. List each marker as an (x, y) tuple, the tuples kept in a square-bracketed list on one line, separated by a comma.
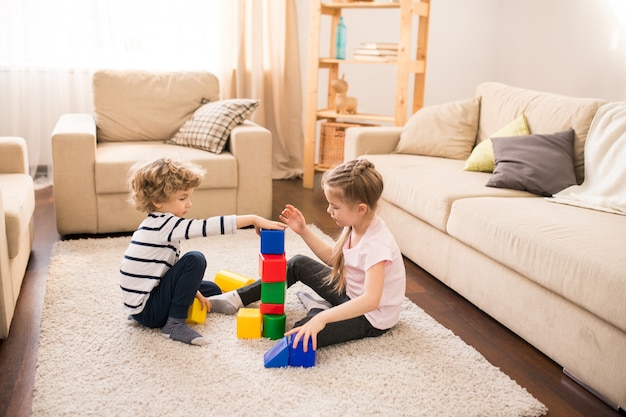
[(273, 273)]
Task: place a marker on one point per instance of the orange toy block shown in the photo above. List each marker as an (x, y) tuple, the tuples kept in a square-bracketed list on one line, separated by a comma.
[(196, 313), (272, 268), (229, 281), (249, 323)]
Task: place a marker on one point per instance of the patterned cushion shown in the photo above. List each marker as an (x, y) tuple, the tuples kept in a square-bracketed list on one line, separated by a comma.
[(210, 125)]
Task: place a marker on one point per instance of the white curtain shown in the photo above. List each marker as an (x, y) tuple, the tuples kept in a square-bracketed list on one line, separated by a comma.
[(49, 50), (263, 62)]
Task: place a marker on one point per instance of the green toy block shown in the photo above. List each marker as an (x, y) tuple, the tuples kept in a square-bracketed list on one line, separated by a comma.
[(249, 323), (274, 326), (273, 292)]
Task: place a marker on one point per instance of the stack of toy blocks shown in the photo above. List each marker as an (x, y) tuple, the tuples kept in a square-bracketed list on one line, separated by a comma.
[(273, 273), (268, 321)]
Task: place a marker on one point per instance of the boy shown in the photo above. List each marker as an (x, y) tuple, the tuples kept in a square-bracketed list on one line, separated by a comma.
[(157, 283)]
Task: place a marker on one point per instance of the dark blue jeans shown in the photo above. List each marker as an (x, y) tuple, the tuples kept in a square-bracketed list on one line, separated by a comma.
[(173, 296), (312, 273)]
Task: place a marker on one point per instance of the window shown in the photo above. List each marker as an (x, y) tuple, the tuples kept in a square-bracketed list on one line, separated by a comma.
[(149, 34)]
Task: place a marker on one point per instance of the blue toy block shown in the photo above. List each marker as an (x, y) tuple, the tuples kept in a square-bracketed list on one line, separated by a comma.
[(272, 242), (298, 357), (278, 355)]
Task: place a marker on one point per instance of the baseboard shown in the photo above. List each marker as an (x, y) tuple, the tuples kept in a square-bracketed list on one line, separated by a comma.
[(580, 382)]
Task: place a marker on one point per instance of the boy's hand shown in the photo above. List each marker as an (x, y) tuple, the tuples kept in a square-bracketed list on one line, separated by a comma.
[(263, 223), (204, 302)]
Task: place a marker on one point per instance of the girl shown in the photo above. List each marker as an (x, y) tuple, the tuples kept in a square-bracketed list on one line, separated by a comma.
[(362, 280), (157, 283)]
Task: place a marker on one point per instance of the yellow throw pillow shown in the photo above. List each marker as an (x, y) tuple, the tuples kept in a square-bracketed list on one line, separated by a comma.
[(482, 158)]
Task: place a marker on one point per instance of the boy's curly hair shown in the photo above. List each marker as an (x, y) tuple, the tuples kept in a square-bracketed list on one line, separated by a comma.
[(158, 181)]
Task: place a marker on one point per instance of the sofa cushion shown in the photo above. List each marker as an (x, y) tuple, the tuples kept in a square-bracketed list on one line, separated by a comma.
[(545, 113), (439, 183), (447, 130), (114, 160), (210, 125), (540, 164), (576, 253), (482, 158), (18, 200), (140, 105)]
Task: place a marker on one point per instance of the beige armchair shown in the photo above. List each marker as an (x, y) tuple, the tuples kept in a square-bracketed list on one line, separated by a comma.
[(135, 113), (17, 206)]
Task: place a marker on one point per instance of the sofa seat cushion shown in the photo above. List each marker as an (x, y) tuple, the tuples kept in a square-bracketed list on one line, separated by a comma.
[(576, 253), (18, 200), (115, 159), (440, 181)]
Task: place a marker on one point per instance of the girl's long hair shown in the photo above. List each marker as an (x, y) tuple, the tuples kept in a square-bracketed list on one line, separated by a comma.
[(353, 182)]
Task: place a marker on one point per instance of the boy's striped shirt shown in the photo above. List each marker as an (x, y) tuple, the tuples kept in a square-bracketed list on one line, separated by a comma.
[(155, 247)]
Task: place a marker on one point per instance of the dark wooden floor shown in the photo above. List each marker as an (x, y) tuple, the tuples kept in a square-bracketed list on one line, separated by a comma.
[(532, 370)]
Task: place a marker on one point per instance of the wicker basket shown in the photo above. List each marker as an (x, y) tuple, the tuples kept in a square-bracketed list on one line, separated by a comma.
[(332, 138)]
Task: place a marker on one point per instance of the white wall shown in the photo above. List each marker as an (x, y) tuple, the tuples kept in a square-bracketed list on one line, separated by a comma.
[(571, 47)]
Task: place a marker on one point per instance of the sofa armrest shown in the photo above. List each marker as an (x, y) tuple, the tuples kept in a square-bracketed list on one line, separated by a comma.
[(73, 167), (13, 155), (7, 304), (370, 140), (251, 145)]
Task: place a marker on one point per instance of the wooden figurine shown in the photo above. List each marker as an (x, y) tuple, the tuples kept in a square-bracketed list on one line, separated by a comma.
[(343, 103)]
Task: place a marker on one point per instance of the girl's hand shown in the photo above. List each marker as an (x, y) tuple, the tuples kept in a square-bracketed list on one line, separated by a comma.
[(293, 218), (308, 330), (204, 302)]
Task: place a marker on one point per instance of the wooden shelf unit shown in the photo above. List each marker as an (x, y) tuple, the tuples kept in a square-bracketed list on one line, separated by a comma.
[(405, 67)]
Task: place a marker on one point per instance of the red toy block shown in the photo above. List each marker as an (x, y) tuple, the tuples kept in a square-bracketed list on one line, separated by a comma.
[(272, 308), (272, 268)]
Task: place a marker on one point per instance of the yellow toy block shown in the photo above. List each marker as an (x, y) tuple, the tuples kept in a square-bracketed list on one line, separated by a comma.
[(196, 313), (229, 281), (249, 323)]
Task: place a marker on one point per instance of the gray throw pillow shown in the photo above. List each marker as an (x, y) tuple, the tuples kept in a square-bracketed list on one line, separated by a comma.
[(540, 164)]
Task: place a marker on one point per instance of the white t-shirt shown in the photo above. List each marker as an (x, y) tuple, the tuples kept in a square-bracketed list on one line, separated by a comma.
[(377, 245)]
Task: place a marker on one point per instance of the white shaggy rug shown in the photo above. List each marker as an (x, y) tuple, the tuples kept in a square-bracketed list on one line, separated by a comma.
[(91, 363)]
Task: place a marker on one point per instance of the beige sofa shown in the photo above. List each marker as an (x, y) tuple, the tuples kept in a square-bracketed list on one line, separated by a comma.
[(17, 206), (555, 274), (135, 114)]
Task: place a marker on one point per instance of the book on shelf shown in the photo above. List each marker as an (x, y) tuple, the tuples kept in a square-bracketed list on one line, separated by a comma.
[(376, 58), (380, 52), (379, 46)]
